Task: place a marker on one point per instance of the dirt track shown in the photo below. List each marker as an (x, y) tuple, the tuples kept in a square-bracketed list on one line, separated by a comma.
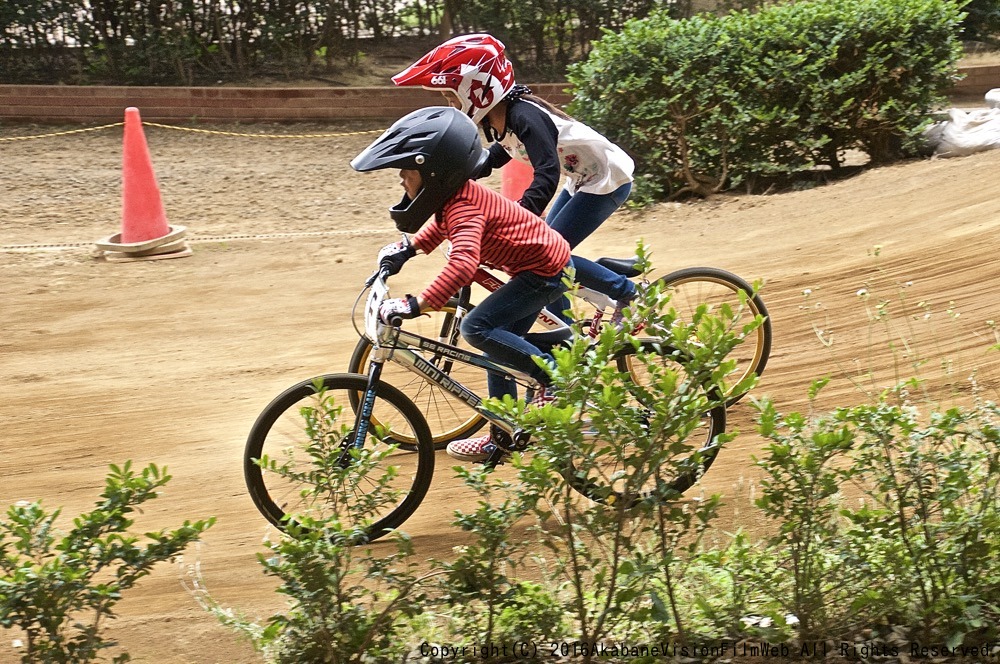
[(170, 361)]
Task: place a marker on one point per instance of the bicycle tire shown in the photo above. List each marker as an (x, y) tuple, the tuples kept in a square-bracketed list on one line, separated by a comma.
[(280, 433), (693, 286), (447, 418), (613, 476)]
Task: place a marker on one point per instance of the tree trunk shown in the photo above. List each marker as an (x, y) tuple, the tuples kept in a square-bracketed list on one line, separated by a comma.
[(446, 29)]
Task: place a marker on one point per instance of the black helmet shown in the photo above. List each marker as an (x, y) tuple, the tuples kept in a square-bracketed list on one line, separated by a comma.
[(440, 142)]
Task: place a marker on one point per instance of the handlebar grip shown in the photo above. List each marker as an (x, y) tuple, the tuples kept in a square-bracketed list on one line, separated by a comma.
[(395, 321)]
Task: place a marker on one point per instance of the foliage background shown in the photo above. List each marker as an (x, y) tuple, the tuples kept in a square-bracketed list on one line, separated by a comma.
[(709, 103), (187, 42)]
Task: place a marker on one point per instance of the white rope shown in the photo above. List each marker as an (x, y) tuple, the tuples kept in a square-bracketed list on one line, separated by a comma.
[(65, 246)]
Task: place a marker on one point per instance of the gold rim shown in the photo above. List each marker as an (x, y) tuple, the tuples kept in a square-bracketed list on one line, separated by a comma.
[(687, 293)]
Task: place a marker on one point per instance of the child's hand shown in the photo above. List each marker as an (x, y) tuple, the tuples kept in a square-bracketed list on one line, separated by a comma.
[(398, 307), (391, 257)]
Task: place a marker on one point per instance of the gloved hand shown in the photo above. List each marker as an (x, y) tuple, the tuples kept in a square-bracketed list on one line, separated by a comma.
[(484, 171), (403, 307), (392, 256)]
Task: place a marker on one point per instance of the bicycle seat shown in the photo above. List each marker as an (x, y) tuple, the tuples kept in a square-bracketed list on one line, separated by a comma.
[(623, 266)]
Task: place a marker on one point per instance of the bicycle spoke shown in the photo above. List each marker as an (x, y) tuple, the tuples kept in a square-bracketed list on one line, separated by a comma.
[(307, 474)]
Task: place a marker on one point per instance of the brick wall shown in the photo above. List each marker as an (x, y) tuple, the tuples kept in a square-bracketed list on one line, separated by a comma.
[(90, 104), (94, 104), (978, 80)]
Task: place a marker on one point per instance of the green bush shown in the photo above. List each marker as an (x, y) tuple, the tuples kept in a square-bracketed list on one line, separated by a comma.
[(346, 602), (59, 589), (983, 20), (710, 103), (479, 593), (618, 562), (181, 42), (915, 551)]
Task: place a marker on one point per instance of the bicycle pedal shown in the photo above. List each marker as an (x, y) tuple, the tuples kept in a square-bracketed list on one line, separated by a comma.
[(520, 440), (506, 444), (502, 440)]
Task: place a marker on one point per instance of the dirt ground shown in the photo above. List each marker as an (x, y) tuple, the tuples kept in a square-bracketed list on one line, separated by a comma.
[(170, 361)]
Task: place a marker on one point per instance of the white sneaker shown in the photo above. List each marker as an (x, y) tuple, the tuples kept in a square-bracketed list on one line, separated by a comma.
[(618, 316)]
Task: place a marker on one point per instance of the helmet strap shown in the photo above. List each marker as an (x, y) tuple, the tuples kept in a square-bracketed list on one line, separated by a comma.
[(492, 135)]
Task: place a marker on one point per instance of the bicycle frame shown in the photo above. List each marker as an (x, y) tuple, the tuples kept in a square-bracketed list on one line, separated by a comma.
[(391, 343)]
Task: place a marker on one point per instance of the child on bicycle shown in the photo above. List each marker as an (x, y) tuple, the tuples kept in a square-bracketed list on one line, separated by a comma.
[(475, 76), (438, 151)]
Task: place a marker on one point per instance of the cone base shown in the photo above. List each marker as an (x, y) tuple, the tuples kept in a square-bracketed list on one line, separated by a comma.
[(115, 257), (114, 242)]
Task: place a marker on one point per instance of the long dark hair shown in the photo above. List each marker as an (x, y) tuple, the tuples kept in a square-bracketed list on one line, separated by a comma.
[(524, 92)]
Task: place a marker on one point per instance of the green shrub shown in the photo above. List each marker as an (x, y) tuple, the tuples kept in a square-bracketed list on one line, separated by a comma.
[(59, 589), (982, 21), (618, 562), (725, 586), (915, 550), (931, 518), (479, 592), (805, 465), (710, 103), (347, 602)]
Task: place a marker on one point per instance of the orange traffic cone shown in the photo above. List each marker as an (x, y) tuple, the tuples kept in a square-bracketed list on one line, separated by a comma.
[(515, 177), (143, 215), (145, 234)]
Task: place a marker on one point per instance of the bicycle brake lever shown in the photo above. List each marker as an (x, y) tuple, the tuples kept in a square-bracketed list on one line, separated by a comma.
[(375, 275)]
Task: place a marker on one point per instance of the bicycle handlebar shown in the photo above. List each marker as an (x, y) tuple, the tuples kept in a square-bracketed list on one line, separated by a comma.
[(382, 274)]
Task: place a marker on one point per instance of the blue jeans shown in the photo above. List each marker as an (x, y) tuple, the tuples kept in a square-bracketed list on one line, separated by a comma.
[(498, 324), (575, 217)]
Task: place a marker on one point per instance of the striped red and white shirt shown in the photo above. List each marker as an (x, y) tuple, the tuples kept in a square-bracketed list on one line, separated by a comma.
[(488, 229)]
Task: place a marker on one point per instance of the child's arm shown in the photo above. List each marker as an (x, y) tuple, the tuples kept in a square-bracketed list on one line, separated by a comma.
[(498, 159), (429, 236), (466, 227), (535, 129)]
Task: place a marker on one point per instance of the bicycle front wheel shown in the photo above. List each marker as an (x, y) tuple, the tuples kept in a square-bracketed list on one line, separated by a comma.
[(651, 451), (301, 458), (692, 287), (447, 418)]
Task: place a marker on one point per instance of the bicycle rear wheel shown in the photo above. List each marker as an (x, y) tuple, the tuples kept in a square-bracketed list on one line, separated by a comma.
[(304, 437), (447, 418), (669, 454), (691, 287)]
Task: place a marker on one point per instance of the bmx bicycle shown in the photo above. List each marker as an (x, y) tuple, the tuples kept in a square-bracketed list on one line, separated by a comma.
[(689, 288), (310, 424)]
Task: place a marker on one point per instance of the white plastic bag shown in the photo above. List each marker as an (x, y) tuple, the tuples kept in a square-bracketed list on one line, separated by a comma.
[(993, 98), (965, 133)]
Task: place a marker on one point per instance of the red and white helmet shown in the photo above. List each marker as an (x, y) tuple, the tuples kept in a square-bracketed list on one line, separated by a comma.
[(474, 67)]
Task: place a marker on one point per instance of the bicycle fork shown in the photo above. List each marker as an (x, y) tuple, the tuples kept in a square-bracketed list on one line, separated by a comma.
[(362, 419)]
